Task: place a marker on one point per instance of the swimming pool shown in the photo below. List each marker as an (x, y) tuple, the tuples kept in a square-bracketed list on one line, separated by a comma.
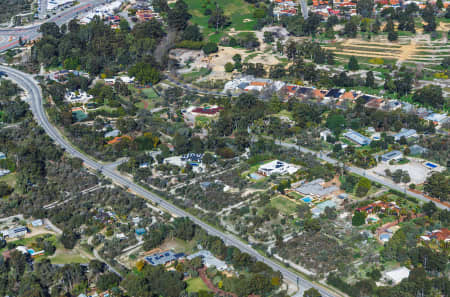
[(256, 176), (385, 237), (307, 199), (431, 165)]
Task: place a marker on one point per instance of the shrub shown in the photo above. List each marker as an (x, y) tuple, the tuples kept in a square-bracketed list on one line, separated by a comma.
[(377, 61), (229, 67), (210, 48), (189, 44)]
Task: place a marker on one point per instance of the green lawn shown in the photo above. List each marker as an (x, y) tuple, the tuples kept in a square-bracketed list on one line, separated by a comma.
[(194, 75), (295, 195), (195, 285), (10, 179), (283, 205), (284, 113), (236, 10), (68, 258), (202, 121), (150, 93)]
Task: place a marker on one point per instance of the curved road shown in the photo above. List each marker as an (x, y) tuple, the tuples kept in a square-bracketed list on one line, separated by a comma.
[(35, 100), (29, 33)]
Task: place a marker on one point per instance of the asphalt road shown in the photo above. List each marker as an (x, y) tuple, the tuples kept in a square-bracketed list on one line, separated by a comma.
[(35, 101), (362, 172), (322, 155), (10, 36)]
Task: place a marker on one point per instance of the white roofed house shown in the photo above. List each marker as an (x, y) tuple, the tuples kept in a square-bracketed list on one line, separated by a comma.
[(357, 137), (437, 118), (405, 133), (78, 97), (15, 232), (277, 167), (209, 260)]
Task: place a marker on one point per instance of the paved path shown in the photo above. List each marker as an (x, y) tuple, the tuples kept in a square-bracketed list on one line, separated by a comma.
[(35, 100)]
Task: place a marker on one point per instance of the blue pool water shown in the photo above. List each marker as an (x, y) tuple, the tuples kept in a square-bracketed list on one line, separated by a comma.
[(385, 237), (256, 176), (431, 165), (307, 199)]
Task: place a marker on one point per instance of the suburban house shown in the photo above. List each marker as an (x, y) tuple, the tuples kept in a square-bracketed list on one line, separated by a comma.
[(417, 150), (405, 133), (397, 275), (439, 235), (78, 97), (316, 188), (206, 111), (277, 167), (357, 137), (144, 15), (123, 78), (163, 258), (112, 133), (15, 232), (376, 103), (335, 93), (320, 207), (392, 156), (37, 223), (324, 134), (249, 83), (437, 118), (379, 206), (209, 260), (195, 160)]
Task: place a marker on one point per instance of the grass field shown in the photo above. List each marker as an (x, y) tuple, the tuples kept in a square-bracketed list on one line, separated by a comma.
[(194, 75), (150, 93), (236, 10), (68, 258), (195, 285), (295, 195), (283, 205), (202, 121), (10, 179)]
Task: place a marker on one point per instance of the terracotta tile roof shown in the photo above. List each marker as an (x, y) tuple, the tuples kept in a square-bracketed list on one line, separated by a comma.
[(258, 83), (118, 139), (317, 94), (348, 95)]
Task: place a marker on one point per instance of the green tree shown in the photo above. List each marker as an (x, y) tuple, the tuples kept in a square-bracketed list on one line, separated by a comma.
[(192, 32), (178, 16), (365, 8), (438, 186), (370, 80), (336, 123), (353, 64), (124, 26), (218, 19), (229, 67), (312, 292), (210, 48), (144, 73), (363, 187), (430, 95), (392, 35), (359, 218)]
